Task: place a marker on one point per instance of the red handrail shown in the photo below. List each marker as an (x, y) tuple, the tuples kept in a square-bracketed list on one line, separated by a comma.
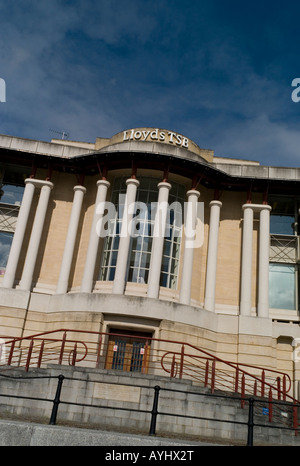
[(191, 360), (207, 356), (186, 361)]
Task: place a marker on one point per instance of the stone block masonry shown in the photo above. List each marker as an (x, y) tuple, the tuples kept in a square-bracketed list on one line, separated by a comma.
[(101, 399)]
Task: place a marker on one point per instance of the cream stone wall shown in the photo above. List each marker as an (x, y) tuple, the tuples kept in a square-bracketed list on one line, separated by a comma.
[(284, 358), (12, 321), (257, 350)]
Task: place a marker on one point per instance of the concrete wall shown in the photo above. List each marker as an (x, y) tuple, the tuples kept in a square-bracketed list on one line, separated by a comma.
[(120, 390)]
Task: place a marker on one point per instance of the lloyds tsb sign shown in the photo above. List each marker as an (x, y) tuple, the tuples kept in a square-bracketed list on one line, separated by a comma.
[(156, 134)]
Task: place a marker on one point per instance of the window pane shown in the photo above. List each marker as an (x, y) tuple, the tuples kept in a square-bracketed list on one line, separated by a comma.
[(282, 215), (282, 286), (12, 183), (145, 260), (165, 264), (282, 224), (282, 205), (5, 244), (114, 258), (167, 248), (164, 279), (12, 194)]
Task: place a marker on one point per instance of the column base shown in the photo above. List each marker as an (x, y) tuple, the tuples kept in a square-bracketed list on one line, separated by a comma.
[(16, 298), (253, 325)]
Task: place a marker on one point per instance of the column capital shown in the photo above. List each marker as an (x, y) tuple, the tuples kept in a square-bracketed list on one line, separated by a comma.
[(266, 207), (103, 183), (39, 183), (164, 184), (79, 187), (215, 202), (193, 192), (257, 207), (133, 181)]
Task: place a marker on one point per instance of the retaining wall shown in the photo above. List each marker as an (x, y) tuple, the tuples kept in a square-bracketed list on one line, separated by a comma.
[(113, 392)]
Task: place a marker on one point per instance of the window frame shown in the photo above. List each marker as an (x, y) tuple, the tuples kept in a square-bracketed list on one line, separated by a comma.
[(285, 243)]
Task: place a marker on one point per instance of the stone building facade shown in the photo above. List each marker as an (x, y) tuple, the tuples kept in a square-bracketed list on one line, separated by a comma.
[(145, 232)]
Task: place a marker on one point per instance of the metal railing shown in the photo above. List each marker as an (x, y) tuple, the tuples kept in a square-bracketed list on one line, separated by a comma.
[(150, 356), (284, 248), (155, 412)]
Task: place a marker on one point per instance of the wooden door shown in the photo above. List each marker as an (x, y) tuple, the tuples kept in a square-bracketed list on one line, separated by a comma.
[(127, 352)]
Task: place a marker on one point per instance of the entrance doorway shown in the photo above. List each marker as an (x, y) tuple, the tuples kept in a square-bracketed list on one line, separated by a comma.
[(128, 351)]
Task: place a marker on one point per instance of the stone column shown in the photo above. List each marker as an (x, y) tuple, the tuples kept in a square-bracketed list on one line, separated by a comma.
[(63, 281), (212, 255), (246, 273), (15, 250), (158, 239), (91, 257), (35, 237), (263, 262), (125, 236), (188, 255)]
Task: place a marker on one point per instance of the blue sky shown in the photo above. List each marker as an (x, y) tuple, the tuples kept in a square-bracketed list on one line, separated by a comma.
[(217, 71)]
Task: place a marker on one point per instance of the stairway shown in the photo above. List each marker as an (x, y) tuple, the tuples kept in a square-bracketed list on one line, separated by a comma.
[(123, 402)]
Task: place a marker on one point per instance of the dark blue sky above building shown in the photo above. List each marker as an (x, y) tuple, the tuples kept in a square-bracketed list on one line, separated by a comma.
[(217, 71)]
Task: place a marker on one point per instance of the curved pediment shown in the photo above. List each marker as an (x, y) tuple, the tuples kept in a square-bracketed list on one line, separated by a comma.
[(154, 140)]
